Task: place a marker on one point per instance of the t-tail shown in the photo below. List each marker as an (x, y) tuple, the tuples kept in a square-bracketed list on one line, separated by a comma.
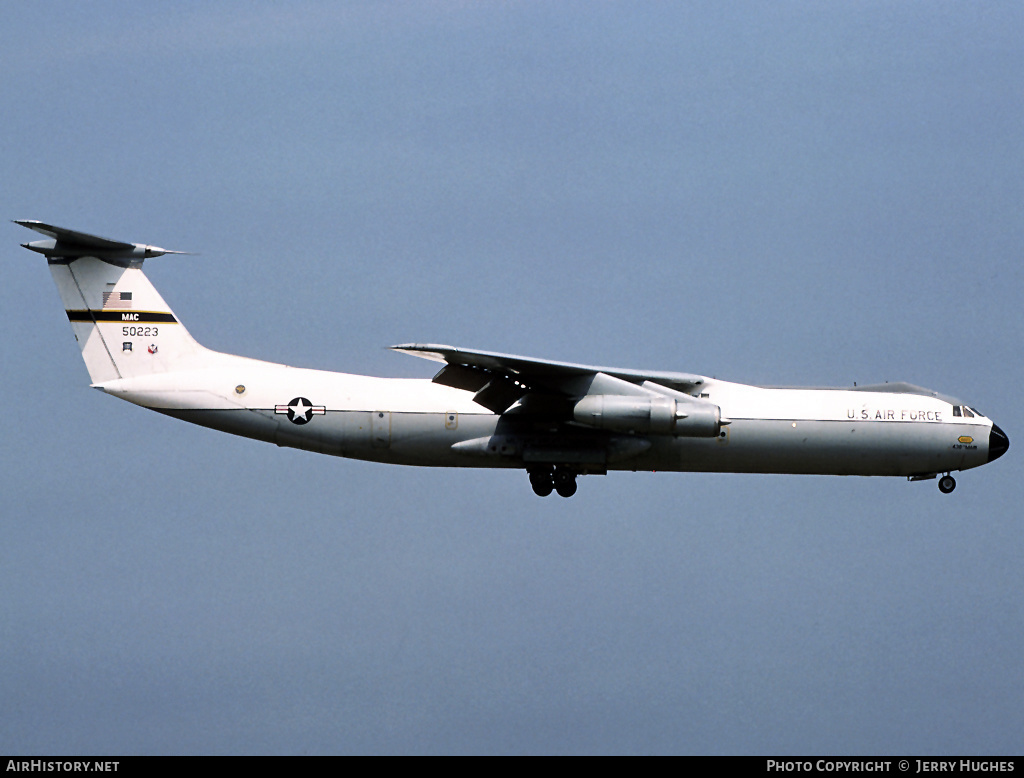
[(122, 324)]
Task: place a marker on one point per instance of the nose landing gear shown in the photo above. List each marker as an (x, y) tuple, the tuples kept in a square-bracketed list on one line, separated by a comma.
[(947, 484), (548, 479)]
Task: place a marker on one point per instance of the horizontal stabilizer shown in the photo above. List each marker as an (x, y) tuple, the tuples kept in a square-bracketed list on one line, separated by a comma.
[(65, 243)]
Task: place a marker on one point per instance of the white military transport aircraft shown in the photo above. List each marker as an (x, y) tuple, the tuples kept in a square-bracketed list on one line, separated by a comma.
[(556, 420)]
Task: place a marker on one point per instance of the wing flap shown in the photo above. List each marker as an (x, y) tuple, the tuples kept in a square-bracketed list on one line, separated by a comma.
[(499, 394), (462, 377)]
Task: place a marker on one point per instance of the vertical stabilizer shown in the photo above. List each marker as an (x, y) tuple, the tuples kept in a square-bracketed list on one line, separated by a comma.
[(122, 324)]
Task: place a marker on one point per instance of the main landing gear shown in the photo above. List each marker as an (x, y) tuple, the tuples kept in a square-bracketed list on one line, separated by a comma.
[(547, 479)]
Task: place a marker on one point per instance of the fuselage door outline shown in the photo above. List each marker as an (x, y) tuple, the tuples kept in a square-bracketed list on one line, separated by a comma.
[(380, 428)]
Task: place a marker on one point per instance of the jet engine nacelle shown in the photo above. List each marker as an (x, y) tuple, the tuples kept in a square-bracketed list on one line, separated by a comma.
[(656, 415)]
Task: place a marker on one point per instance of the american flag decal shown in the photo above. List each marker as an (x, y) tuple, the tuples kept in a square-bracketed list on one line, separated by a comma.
[(117, 299)]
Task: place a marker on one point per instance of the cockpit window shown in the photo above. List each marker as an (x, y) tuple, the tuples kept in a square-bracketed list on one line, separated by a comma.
[(965, 411)]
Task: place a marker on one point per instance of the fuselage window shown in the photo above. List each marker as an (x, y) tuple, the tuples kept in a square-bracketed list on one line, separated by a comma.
[(956, 410)]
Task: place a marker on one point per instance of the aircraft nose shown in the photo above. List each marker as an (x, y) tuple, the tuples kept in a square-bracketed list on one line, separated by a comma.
[(997, 443)]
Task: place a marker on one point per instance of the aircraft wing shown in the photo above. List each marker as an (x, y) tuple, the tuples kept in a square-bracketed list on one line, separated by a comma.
[(499, 380)]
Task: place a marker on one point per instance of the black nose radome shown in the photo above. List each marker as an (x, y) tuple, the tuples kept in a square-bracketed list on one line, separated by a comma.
[(997, 443)]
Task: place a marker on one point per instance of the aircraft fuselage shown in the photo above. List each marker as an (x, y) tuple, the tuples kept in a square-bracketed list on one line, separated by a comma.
[(401, 421)]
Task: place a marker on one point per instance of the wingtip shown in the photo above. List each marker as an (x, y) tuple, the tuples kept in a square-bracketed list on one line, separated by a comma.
[(429, 351), (423, 346)]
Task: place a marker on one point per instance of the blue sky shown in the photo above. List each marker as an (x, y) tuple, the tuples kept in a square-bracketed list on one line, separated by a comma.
[(776, 193)]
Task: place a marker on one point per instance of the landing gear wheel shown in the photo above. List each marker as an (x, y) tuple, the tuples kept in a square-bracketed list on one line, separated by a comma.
[(947, 484), (541, 482), (565, 483), (567, 489)]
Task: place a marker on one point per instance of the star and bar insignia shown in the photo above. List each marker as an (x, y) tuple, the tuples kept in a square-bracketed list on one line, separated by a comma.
[(300, 410)]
